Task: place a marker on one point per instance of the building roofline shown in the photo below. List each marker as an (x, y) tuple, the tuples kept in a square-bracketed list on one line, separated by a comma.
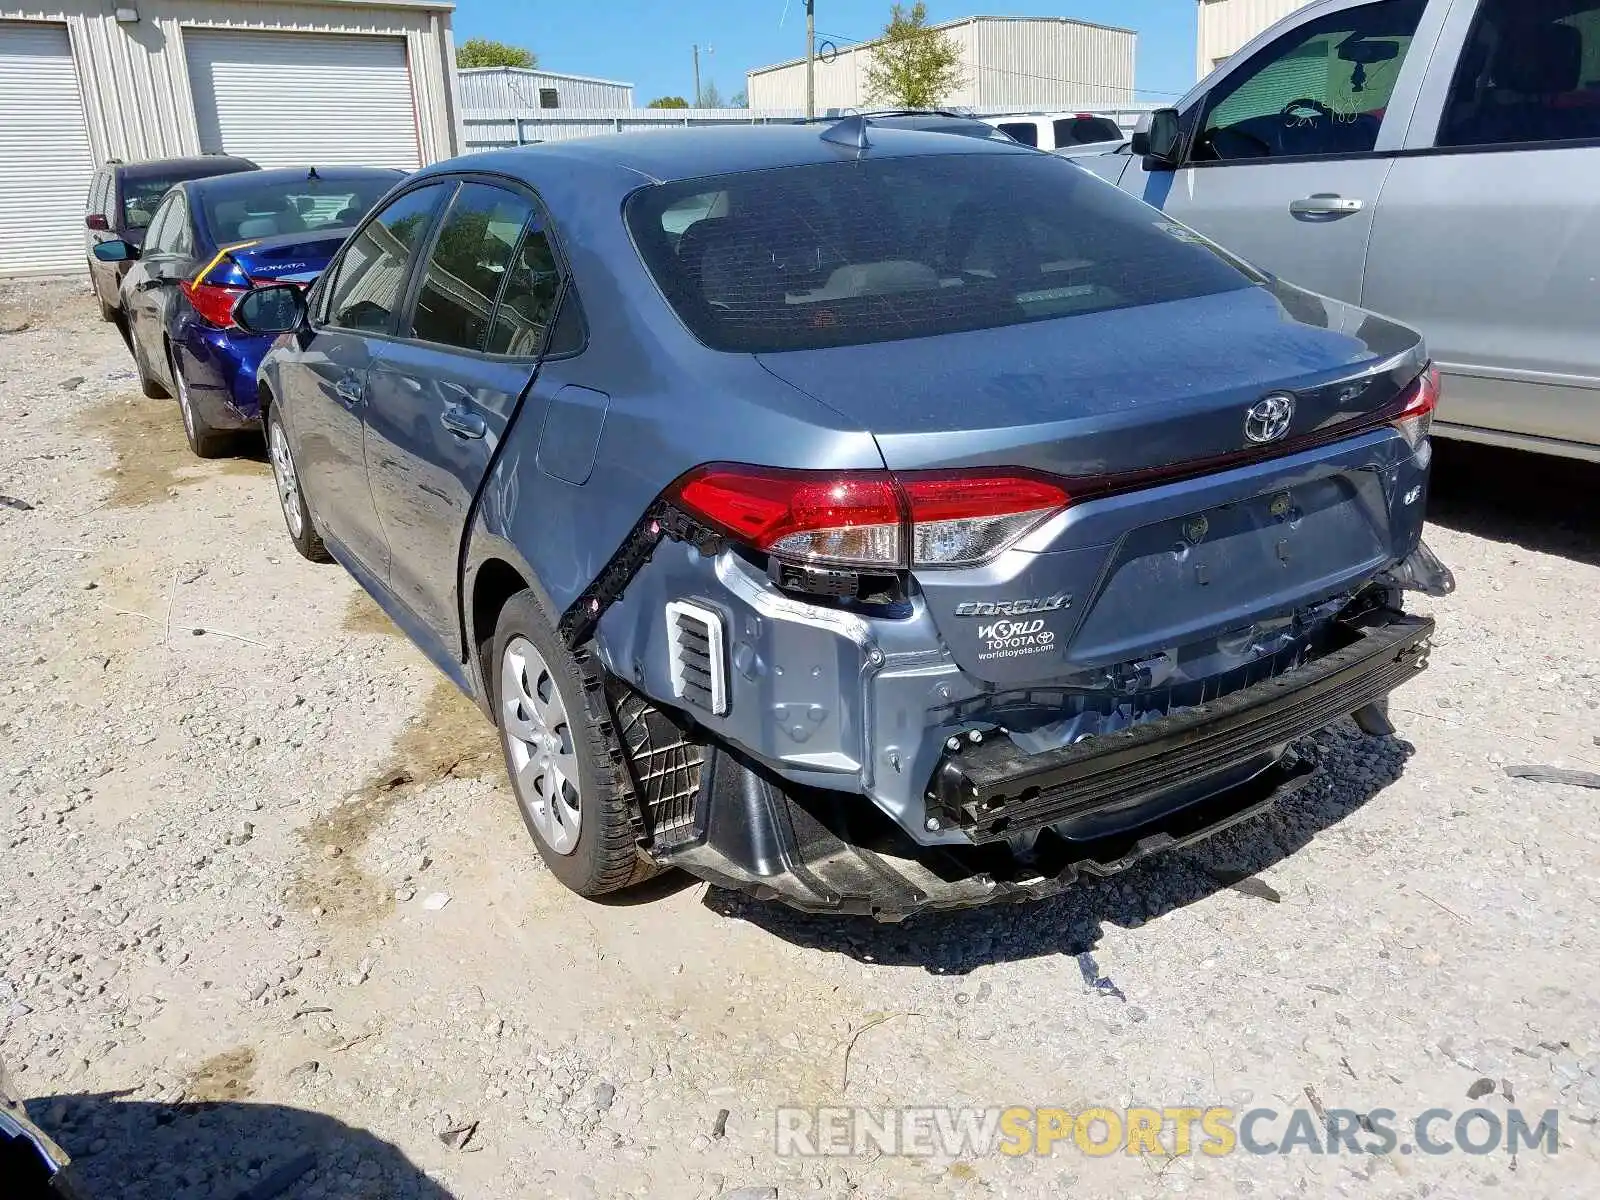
[(947, 25), (540, 71)]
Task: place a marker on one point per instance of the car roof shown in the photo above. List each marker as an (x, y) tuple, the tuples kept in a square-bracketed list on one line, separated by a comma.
[(194, 166), (664, 156), (251, 180)]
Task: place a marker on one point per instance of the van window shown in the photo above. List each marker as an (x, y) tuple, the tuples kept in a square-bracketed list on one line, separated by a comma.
[(1081, 131), (1528, 74), (1025, 132), (1321, 88)]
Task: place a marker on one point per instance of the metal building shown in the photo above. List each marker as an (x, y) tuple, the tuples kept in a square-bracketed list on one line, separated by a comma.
[(1006, 63), (316, 82), (1225, 25), (493, 88)]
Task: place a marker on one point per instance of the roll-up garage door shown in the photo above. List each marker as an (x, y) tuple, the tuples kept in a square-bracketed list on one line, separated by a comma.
[(45, 164), (303, 99)]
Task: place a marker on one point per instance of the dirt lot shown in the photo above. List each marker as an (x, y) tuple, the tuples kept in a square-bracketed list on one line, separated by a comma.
[(269, 924)]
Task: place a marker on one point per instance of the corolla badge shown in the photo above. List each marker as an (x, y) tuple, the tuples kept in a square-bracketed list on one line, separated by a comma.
[(1269, 418)]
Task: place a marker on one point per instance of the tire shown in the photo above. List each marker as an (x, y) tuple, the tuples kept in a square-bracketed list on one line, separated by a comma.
[(540, 687), (151, 387), (296, 516), (205, 440)]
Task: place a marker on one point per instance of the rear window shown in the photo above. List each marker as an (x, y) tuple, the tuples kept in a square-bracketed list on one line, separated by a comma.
[(141, 195), (1082, 131), (853, 252), (263, 210)]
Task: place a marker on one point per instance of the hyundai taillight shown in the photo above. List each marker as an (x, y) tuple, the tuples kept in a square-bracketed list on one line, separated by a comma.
[(213, 302), (871, 518), (1417, 404)]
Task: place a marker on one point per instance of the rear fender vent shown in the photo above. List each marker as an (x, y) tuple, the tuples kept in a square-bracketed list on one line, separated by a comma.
[(699, 657)]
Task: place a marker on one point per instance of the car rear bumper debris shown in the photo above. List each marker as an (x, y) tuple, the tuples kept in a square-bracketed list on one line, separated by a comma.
[(1092, 808)]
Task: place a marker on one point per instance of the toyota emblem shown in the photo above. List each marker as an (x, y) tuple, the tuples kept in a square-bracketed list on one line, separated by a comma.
[(1269, 418)]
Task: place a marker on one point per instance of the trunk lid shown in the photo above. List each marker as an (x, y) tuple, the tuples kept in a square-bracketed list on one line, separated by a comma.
[(1113, 392), (287, 257), (1187, 545)]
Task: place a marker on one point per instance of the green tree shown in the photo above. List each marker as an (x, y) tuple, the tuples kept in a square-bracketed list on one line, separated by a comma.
[(739, 100), (912, 66), (668, 102), (481, 52)]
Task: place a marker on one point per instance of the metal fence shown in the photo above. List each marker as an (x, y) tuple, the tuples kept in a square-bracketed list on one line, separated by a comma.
[(495, 129)]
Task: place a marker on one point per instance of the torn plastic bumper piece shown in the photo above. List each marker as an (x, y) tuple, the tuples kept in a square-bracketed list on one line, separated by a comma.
[(1420, 571), (996, 790), (1096, 807), (755, 834)]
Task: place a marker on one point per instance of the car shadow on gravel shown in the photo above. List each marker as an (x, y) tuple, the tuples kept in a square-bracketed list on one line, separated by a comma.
[(131, 1150), (1536, 501), (1351, 769)]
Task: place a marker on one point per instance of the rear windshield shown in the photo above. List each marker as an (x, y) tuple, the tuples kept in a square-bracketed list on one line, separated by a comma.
[(852, 252), (262, 210), (141, 195)]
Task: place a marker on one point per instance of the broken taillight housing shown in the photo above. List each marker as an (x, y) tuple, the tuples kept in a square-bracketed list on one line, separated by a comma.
[(1418, 402), (213, 303), (871, 519)]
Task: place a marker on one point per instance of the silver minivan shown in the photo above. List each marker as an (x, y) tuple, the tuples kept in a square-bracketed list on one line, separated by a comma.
[(1434, 160)]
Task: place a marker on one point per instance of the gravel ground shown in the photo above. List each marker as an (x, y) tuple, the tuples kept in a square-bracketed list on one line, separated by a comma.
[(269, 924)]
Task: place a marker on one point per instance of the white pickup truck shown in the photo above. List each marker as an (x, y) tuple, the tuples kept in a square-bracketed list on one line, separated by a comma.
[(1434, 160)]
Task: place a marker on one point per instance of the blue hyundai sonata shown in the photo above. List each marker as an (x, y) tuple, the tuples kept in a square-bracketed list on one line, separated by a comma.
[(863, 517), (209, 242)]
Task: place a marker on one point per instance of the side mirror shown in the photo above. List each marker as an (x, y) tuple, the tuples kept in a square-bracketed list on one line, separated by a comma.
[(97, 221), (115, 250), (1157, 138), (280, 308)]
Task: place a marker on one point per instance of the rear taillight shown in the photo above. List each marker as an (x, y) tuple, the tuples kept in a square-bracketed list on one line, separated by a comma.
[(870, 518), (213, 302), (1418, 402)]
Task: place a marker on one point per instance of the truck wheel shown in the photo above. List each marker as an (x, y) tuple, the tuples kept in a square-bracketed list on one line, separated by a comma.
[(296, 516), (562, 753)]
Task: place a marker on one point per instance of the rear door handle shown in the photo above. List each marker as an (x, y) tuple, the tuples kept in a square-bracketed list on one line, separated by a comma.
[(1325, 204), (463, 422), (348, 389)]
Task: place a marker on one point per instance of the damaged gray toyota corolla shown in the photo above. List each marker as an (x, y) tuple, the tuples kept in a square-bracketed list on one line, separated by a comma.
[(870, 519)]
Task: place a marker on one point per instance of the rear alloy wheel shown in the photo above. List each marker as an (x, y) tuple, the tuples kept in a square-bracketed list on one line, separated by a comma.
[(148, 384), (296, 516), (204, 439), (559, 744)]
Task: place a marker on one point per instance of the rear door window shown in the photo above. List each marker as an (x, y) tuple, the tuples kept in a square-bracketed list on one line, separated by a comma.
[(870, 251), (1322, 88), (1025, 132), (1081, 131), (468, 266), (1528, 74), (369, 281)]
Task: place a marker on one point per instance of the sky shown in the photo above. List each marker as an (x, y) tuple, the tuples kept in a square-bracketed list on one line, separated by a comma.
[(649, 42)]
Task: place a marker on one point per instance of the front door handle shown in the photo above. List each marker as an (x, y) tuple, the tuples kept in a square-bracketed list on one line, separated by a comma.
[(348, 389), (1325, 204), (463, 422)]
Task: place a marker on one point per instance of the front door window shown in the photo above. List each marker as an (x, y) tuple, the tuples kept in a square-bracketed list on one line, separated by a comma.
[(1322, 88)]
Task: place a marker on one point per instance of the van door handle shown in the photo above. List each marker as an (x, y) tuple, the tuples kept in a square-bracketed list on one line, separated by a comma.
[(463, 422), (1325, 204)]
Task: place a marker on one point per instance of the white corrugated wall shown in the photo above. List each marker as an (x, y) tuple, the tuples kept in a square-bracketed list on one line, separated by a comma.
[(1226, 25), (1007, 62), (45, 164), (293, 99), (515, 87)]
